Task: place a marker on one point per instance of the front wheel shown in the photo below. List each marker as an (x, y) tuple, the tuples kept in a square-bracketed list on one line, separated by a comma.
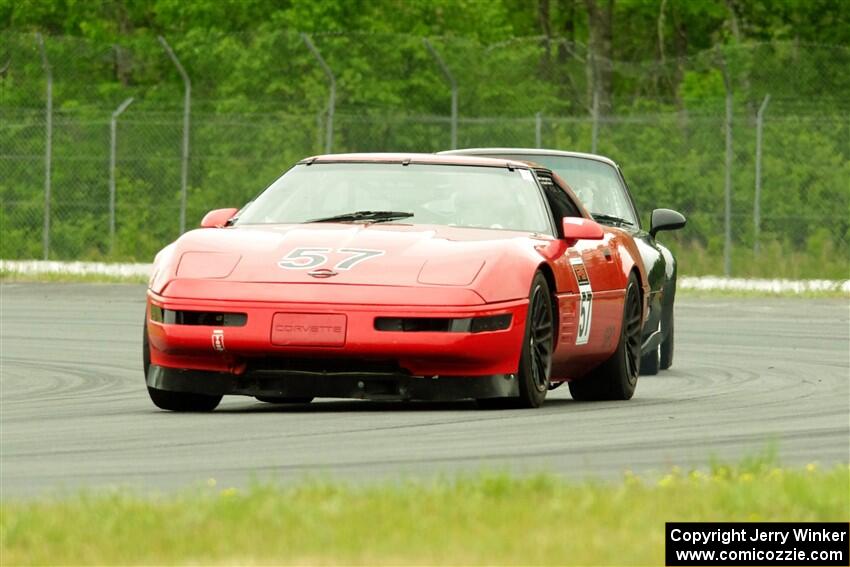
[(616, 378), (174, 401), (535, 363), (667, 347), (183, 401), (649, 363)]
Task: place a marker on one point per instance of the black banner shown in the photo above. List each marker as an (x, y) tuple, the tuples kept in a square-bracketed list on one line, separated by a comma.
[(757, 543)]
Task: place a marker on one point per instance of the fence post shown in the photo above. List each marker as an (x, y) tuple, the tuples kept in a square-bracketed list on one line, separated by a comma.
[(452, 83), (329, 134), (48, 147), (757, 203), (187, 107), (595, 114), (727, 186), (319, 132), (538, 130), (113, 127)]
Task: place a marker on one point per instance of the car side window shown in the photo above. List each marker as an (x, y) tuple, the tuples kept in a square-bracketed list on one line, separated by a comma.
[(559, 202), (628, 192)]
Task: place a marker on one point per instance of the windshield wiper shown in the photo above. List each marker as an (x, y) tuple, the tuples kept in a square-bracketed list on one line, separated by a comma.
[(371, 216), (611, 218)]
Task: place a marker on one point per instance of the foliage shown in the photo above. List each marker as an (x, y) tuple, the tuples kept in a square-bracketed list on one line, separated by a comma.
[(259, 103)]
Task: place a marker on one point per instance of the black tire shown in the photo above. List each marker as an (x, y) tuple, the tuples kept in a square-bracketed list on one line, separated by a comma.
[(183, 401), (616, 378), (496, 403), (277, 400), (174, 401), (146, 349), (535, 363), (649, 363), (667, 346)]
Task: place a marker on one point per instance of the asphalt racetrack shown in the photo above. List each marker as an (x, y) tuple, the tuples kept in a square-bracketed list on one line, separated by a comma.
[(748, 374)]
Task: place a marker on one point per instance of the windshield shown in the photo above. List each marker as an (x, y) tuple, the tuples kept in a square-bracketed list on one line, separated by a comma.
[(466, 196), (595, 183)]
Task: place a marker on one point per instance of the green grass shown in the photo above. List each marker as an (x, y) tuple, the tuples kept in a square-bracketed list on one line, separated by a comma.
[(822, 260), (486, 518)]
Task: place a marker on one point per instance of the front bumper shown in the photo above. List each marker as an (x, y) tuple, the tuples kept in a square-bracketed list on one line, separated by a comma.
[(242, 350), (371, 386)]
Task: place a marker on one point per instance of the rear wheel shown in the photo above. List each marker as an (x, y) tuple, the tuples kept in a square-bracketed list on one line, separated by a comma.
[(280, 400), (616, 378), (174, 401), (535, 364)]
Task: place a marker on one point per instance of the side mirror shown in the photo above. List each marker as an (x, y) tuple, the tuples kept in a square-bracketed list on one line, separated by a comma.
[(217, 218), (666, 219), (577, 228)]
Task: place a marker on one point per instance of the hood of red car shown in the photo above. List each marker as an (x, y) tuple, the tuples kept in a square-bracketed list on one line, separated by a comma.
[(356, 254)]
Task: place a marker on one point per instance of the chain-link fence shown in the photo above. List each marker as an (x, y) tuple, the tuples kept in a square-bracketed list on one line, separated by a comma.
[(73, 187)]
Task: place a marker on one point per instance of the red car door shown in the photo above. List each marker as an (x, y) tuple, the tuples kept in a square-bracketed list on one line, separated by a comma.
[(590, 296)]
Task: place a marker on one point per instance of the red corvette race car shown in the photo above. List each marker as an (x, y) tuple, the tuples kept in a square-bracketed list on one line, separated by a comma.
[(386, 276)]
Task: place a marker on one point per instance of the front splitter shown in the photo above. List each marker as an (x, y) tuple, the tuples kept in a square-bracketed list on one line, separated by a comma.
[(371, 386)]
